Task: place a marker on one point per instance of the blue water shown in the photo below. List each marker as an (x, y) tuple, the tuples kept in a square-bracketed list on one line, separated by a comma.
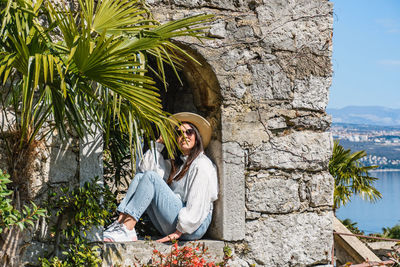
[(371, 217)]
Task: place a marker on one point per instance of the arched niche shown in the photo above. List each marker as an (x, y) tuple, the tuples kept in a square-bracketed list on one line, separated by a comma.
[(200, 92)]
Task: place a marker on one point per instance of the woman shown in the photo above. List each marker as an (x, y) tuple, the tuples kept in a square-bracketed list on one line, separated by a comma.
[(177, 194)]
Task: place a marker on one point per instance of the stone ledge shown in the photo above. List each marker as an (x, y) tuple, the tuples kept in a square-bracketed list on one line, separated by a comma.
[(350, 248), (382, 248), (140, 252)]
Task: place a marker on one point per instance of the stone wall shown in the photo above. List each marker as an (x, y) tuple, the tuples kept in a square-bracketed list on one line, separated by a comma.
[(272, 64), (263, 84)]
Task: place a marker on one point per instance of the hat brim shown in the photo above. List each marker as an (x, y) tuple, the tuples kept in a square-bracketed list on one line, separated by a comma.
[(201, 124)]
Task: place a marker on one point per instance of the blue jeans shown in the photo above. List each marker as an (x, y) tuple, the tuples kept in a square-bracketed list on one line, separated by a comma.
[(149, 192)]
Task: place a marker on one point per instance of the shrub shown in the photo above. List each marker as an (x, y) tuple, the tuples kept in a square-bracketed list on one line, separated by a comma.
[(82, 209), (10, 215), (392, 232), (352, 226)]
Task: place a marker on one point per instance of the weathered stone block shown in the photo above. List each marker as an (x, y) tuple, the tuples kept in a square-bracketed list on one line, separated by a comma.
[(243, 32), (292, 24), (272, 195), (312, 93), (291, 239), (270, 82), (91, 156), (276, 123), (303, 63), (311, 121), (321, 189), (298, 150), (235, 57), (251, 215), (240, 83), (235, 261), (230, 206), (218, 29), (7, 119), (242, 126), (63, 165), (238, 88), (219, 4)]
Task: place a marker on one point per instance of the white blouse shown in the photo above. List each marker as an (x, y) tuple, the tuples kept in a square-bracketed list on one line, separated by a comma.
[(197, 189)]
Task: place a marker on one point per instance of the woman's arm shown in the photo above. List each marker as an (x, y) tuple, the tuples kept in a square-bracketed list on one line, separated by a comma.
[(202, 190), (175, 235), (154, 161)]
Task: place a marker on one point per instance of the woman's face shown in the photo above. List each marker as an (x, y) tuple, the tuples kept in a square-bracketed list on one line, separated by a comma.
[(187, 138)]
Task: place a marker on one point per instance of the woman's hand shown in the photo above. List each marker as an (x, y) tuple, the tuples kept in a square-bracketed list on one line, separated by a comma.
[(170, 237), (160, 140)]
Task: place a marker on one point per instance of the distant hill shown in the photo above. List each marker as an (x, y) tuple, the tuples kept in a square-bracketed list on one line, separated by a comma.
[(371, 115)]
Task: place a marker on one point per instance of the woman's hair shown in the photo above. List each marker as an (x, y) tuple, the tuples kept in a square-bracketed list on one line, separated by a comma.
[(194, 152)]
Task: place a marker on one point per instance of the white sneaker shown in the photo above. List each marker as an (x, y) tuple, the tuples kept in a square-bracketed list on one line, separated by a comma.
[(112, 226), (119, 233)]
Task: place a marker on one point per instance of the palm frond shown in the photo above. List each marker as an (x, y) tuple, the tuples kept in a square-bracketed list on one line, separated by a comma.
[(351, 176), (89, 66)]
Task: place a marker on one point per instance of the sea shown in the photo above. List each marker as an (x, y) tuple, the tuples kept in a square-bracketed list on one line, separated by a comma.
[(372, 217)]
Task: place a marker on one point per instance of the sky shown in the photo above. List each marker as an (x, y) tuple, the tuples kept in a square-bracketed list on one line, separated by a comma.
[(366, 53)]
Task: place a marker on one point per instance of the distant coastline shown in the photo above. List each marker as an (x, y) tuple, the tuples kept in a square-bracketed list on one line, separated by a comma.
[(385, 170), (381, 144), (366, 115)]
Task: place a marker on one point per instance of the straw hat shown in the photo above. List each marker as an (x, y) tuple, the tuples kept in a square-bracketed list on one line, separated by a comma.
[(201, 124)]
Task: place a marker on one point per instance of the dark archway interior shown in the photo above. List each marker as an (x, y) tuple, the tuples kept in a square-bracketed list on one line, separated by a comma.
[(177, 96)]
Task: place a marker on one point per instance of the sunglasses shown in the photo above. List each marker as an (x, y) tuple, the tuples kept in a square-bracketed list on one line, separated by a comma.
[(188, 132)]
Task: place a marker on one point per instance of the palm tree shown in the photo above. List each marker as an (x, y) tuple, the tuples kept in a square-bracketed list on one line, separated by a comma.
[(351, 176), (95, 72), (69, 69)]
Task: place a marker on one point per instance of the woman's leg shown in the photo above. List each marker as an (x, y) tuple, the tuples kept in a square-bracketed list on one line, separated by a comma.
[(163, 212), (199, 233), (119, 232), (131, 191), (141, 192), (129, 194), (152, 192), (164, 208)]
